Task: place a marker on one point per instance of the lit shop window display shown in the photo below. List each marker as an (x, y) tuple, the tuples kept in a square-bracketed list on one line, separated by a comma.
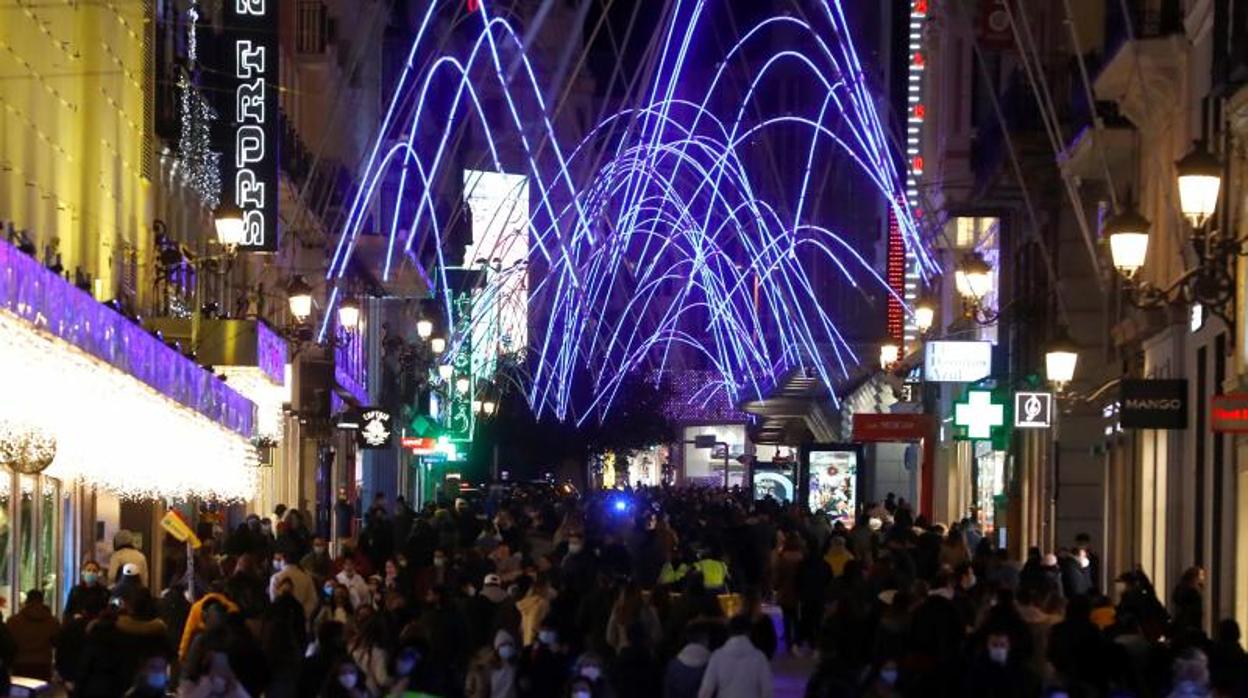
[(113, 431)]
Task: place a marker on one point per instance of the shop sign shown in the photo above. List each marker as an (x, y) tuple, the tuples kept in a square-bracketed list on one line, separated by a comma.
[(1229, 413), (249, 174), (870, 428), (956, 362), (375, 431), (979, 414), (1153, 404), (419, 445), (1033, 410)]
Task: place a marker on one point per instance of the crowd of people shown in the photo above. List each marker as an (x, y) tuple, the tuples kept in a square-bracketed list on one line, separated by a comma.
[(647, 592)]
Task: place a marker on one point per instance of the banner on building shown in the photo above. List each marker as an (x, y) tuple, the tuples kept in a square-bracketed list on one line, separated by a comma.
[(249, 166), (1153, 404)]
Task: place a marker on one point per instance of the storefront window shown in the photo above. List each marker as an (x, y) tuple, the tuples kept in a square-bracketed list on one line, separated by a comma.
[(706, 465)]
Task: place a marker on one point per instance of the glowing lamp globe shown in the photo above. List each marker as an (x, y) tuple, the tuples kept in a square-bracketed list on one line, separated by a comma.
[(349, 314), (973, 278), (424, 329), (924, 314), (437, 345), (299, 295), (488, 407), (228, 221), (462, 384), (1200, 181), (1060, 357), (476, 406), (1128, 241), (445, 371), (889, 353)]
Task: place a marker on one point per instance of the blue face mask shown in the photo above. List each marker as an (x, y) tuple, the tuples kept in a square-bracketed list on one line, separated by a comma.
[(90, 577), (157, 681)]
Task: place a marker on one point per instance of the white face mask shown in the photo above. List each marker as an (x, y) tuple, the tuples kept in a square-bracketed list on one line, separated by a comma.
[(582, 694), (999, 655), (348, 680), (888, 676), (506, 651), (1084, 562), (575, 547), (404, 668), (546, 637), (591, 672)]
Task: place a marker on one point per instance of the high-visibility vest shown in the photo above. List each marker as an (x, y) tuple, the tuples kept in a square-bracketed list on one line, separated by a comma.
[(714, 572), (668, 575)]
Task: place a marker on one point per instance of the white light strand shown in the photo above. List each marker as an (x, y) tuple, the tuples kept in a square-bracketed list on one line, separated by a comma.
[(113, 431), (254, 384)]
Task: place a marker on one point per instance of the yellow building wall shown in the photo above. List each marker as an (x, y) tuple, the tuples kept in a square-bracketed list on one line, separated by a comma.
[(74, 132)]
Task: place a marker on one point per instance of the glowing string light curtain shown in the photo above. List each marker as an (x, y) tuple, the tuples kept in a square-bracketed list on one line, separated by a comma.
[(657, 242), (113, 431)]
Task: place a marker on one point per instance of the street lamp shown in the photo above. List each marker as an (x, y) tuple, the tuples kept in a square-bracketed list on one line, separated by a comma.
[(445, 371), (973, 277), (890, 351), (424, 328), (1060, 356), (1128, 241), (488, 407), (462, 384), (228, 220), (437, 345), (924, 313), (1200, 180), (349, 314), (299, 294)]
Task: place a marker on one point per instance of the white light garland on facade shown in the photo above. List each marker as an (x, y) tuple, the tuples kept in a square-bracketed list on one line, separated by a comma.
[(252, 383), (113, 431)]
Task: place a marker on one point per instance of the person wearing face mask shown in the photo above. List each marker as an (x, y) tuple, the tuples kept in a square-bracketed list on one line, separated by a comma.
[(89, 596), (998, 672), (152, 679), (411, 674), (355, 583), (302, 588), (884, 681), (545, 664), (589, 678), (345, 681), (579, 567), (318, 563), (216, 681), (492, 673)]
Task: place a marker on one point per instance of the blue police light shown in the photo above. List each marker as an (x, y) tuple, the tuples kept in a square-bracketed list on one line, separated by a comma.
[(620, 505)]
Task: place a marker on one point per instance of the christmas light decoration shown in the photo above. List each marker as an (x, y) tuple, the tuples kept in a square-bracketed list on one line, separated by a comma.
[(271, 398), (114, 432), (644, 238)]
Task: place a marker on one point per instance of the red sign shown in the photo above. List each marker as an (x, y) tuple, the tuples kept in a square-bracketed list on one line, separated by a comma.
[(892, 427), (420, 445), (1229, 413)]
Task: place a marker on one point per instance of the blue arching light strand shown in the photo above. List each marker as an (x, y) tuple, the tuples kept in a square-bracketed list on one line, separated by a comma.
[(651, 233)]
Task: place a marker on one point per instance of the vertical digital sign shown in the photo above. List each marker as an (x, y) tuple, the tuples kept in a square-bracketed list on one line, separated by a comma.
[(249, 168)]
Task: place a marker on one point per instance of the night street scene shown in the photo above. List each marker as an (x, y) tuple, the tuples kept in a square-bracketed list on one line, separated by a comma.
[(623, 348)]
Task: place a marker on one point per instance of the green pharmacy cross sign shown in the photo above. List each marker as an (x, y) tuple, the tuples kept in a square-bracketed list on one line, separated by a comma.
[(979, 414)]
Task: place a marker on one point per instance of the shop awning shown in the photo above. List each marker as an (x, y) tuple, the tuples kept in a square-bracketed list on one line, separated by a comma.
[(798, 403), (128, 413)]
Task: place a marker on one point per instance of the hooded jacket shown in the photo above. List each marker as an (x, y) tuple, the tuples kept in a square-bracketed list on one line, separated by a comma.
[(684, 672)]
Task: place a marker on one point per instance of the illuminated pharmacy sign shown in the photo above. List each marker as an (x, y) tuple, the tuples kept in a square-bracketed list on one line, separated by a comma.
[(250, 164)]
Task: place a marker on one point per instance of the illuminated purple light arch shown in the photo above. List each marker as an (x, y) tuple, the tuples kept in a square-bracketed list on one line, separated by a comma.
[(638, 233)]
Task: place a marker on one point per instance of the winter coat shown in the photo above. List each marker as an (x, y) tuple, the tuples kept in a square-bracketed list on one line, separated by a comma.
[(684, 673), (737, 670), (533, 609), (86, 599), (33, 629), (123, 556)]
